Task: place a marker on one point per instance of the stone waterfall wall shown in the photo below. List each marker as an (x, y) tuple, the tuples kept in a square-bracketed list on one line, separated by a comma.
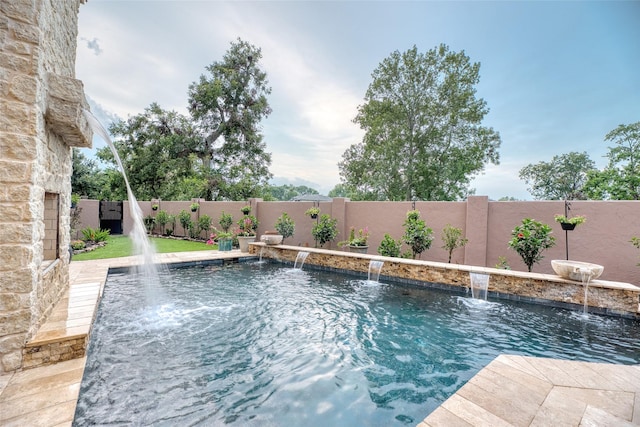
[(40, 120)]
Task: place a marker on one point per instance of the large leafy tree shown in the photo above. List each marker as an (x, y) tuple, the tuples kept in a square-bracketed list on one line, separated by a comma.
[(563, 178), (86, 178), (156, 149), (620, 180), (423, 133), (227, 105)]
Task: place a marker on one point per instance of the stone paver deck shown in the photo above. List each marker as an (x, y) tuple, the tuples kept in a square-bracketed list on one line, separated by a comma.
[(510, 391)]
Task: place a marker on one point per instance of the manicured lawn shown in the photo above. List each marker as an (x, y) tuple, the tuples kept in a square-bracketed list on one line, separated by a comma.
[(119, 246)]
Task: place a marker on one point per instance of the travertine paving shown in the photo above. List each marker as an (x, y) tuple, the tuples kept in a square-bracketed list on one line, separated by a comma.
[(510, 391), (529, 391)]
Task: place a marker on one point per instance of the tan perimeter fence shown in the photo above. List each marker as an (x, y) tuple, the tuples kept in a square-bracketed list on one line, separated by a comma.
[(603, 239)]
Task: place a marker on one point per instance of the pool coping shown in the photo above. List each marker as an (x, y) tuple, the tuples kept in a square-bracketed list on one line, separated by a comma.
[(48, 395)]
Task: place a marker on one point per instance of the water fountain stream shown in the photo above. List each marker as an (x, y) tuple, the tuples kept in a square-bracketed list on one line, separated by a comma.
[(142, 245), (585, 275), (300, 258), (375, 267), (479, 285)]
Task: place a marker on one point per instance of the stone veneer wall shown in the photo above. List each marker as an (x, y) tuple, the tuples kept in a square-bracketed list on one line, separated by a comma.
[(610, 298), (41, 119)]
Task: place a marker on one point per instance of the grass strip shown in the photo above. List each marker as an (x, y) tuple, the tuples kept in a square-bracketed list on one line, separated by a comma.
[(121, 246)]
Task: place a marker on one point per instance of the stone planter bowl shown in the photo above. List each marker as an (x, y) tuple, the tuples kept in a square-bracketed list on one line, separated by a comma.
[(573, 270), (271, 239)]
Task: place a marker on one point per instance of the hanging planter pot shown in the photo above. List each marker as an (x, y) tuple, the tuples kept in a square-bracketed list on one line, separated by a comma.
[(567, 226)]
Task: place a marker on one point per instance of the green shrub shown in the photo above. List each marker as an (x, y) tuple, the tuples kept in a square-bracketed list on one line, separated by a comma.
[(225, 221), (149, 223), (162, 219), (389, 246), (94, 235), (204, 224), (529, 240), (285, 226), (77, 245), (503, 263), (184, 218), (417, 235), (452, 239), (325, 230), (102, 236)]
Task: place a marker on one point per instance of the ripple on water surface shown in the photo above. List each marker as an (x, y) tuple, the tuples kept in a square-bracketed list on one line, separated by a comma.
[(259, 344)]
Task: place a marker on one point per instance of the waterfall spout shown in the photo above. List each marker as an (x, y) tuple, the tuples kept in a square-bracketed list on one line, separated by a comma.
[(479, 285), (375, 267), (300, 258), (142, 245)]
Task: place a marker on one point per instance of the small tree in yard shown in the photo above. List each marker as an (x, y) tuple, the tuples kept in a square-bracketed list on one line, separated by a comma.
[(417, 235), (185, 221), (325, 230), (531, 238), (162, 219), (285, 226), (204, 224), (225, 221), (452, 239)]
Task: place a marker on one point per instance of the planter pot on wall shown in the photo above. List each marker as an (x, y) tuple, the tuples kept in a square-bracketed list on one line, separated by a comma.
[(244, 242), (359, 249), (225, 244)]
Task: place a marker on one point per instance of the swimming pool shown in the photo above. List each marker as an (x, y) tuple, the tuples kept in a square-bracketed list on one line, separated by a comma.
[(262, 344)]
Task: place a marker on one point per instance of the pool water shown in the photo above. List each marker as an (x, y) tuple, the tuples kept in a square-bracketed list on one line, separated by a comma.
[(258, 344)]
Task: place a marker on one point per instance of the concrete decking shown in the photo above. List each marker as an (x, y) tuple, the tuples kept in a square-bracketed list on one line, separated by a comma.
[(511, 390), (47, 395)]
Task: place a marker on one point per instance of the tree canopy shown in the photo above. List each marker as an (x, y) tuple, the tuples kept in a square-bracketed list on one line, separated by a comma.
[(227, 106), (86, 178), (156, 149), (216, 153), (620, 180), (423, 133), (563, 178)]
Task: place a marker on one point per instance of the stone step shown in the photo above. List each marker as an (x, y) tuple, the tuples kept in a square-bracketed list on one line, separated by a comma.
[(65, 334)]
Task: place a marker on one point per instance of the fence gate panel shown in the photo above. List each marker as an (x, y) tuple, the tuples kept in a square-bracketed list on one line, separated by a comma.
[(111, 216)]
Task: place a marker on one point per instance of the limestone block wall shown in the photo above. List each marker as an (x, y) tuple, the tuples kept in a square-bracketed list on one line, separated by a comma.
[(37, 41)]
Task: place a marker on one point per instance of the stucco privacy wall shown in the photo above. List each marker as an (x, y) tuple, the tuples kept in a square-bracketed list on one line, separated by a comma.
[(41, 119), (603, 239)]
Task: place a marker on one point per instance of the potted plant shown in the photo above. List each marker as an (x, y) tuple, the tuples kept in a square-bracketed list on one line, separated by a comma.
[(357, 242), (285, 226), (194, 207), (246, 232), (325, 230), (223, 238), (154, 207), (313, 212), (531, 238), (246, 210), (569, 223)]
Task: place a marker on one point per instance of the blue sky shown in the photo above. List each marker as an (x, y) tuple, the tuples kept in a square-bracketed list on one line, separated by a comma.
[(556, 76)]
